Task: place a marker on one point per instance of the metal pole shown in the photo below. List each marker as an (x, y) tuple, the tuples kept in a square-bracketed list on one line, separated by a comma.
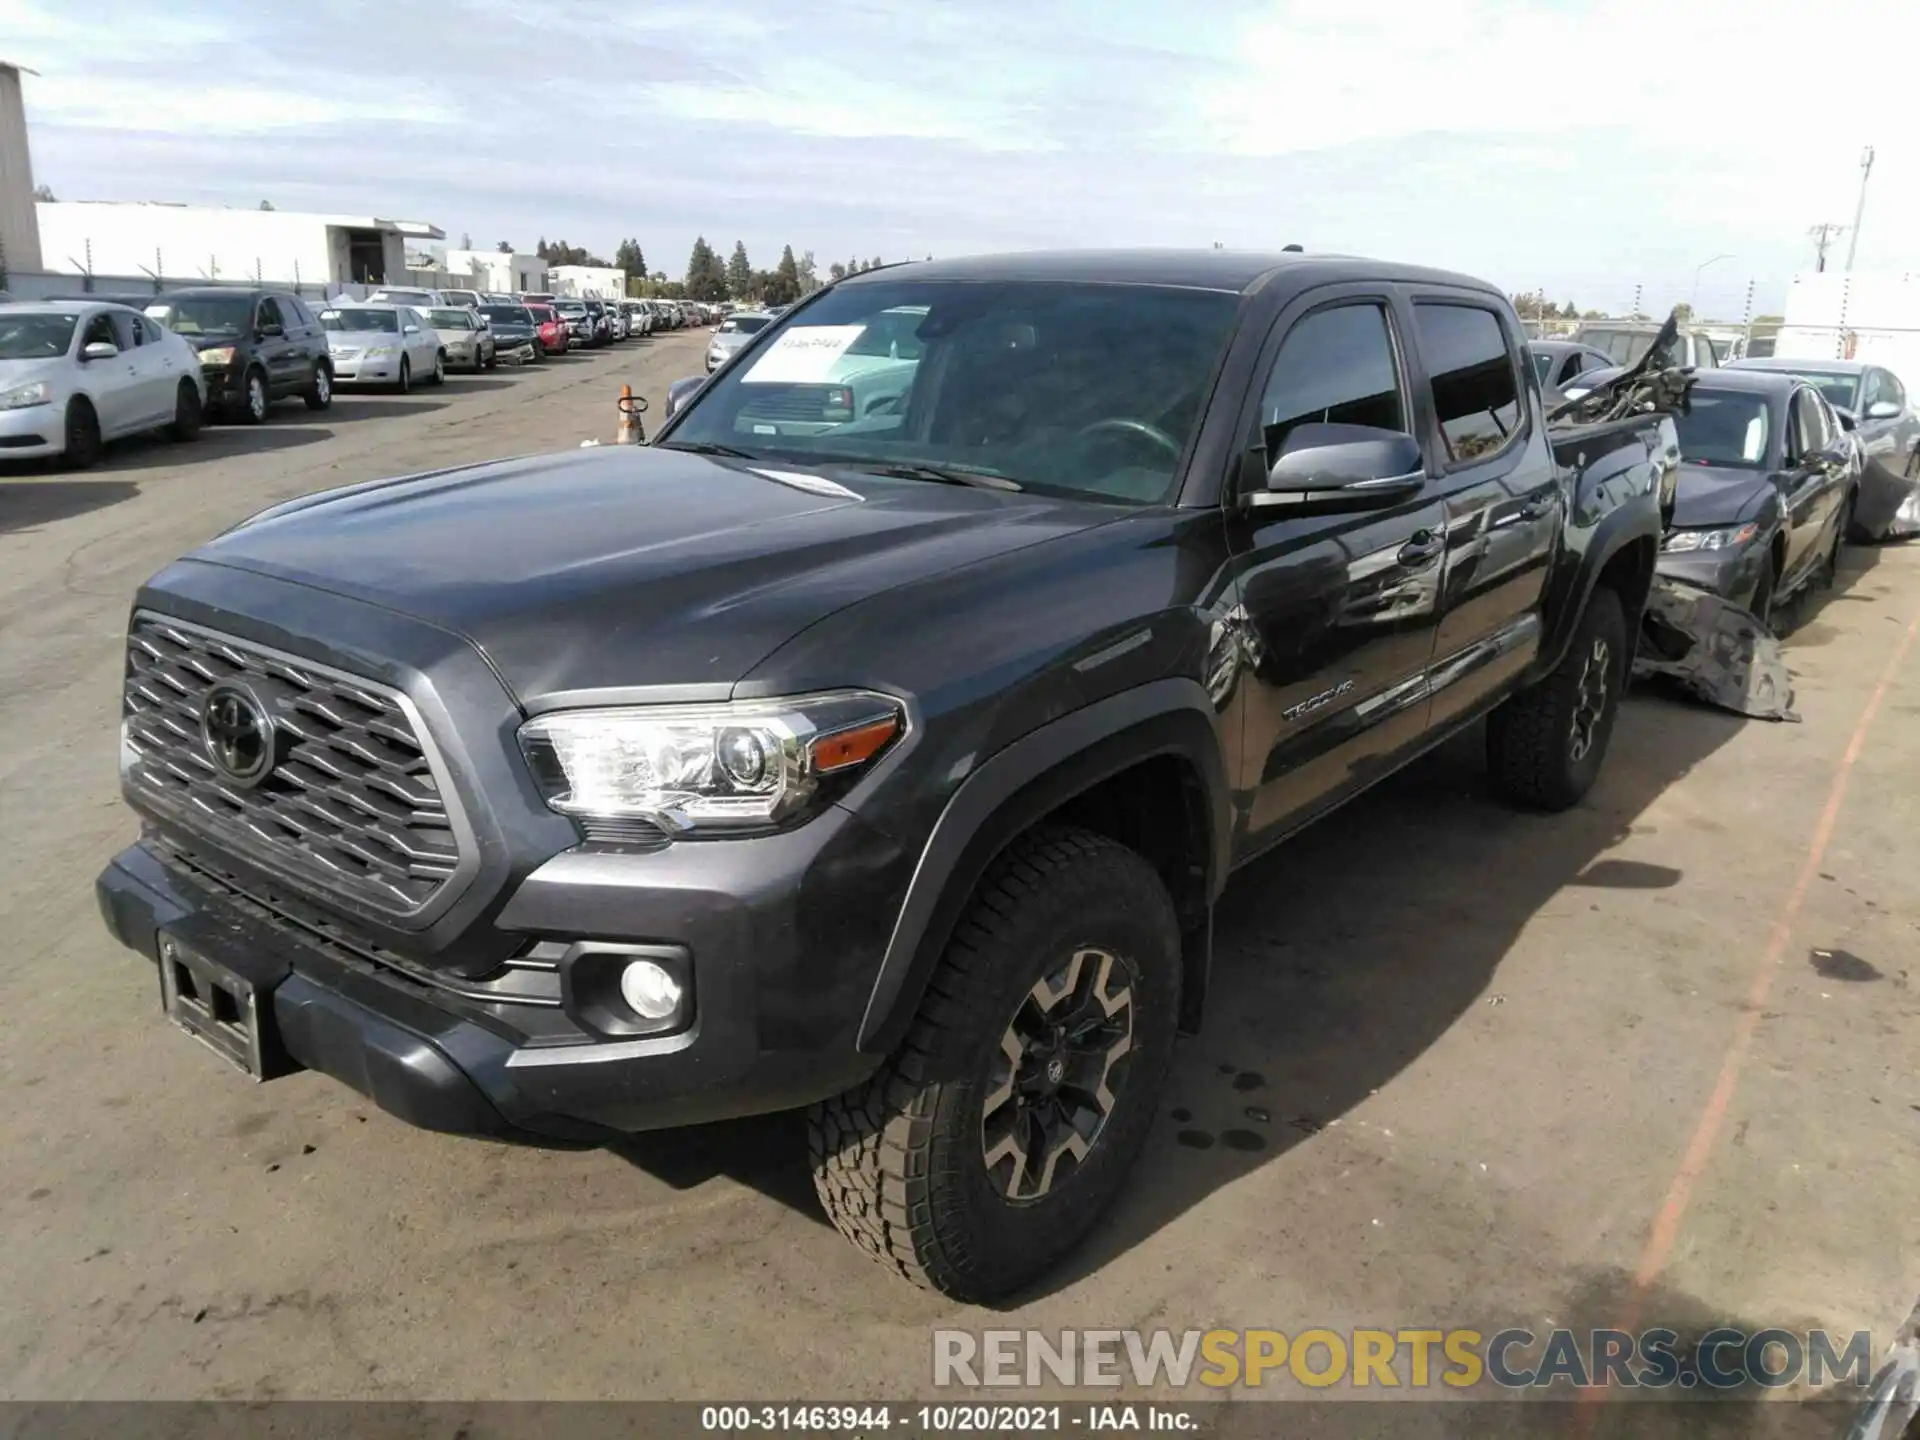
[(1693, 300), (1746, 321), (1860, 208), (1636, 302)]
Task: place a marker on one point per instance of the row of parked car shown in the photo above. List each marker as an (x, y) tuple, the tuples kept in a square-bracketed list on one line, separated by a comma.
[(1783, 459), (80, 371)]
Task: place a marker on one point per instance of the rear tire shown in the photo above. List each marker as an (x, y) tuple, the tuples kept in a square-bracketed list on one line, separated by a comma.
[(82, 431), (1545, 745), (188, 413), (963, 1165)]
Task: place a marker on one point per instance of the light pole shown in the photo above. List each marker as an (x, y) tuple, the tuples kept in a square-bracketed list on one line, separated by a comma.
[(1693, 299), (1860, 207)]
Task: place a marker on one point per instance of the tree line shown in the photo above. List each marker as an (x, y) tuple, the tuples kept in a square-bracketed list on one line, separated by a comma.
[(709, 277)]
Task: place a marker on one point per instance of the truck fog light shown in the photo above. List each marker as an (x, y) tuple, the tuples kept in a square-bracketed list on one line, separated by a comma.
[(650, 990)]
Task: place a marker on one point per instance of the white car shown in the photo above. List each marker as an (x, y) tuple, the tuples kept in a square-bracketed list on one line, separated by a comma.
[(73, 376), (419, 299), (464, 337), (383, 345), (465, 299)]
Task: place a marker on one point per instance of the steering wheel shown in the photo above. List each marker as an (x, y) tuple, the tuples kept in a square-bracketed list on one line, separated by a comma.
[(1134, 427)]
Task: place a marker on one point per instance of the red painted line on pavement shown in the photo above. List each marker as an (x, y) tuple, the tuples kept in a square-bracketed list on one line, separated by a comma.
[(1706, 1132)]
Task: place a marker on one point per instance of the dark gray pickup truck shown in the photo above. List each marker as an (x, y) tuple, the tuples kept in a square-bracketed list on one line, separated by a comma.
[(876, 742)]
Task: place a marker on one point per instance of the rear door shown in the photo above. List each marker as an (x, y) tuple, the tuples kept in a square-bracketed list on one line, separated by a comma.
[(1338, 611), (1501, 490)]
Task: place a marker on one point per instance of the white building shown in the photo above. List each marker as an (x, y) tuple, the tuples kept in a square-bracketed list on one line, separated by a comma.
[(19, 234), (191, 242), (495, 270), (587, 281)]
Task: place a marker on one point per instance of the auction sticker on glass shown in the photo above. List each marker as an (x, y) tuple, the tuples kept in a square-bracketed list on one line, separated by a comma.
[(802, 354)]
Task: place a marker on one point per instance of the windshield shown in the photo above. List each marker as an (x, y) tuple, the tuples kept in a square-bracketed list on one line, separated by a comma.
[(1723, 428), (507, 314), (571, 307), (197, 315), (348, 320), (450, 319), (1075, 389), (1542, 365), (1840, 390), (36, 337), (744, 324), (406, 297)]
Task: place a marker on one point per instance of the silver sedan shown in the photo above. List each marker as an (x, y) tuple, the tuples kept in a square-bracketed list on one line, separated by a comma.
[(73, 376), (383, 345)]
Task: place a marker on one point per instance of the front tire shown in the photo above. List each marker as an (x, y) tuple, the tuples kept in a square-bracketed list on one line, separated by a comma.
[(996, 1135), (82, 433), (405, 383), (319, 391), (1545, 745), (188, 413), (439, 375), (254, 398)]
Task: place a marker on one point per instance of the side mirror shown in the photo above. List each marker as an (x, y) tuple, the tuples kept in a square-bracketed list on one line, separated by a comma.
[(681, 391), (1832, 458), (1328, 469), (412, 330), (268, 332), (1883, 410), (99, 350)]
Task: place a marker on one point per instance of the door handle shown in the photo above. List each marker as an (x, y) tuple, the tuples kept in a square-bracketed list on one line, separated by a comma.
[(1424, 546)]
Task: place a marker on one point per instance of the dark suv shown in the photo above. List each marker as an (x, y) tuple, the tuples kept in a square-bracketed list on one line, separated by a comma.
[(878, 741), (256, 346)]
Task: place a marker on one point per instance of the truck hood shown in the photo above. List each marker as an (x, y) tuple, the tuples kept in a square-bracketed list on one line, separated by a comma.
[(630, 566), (1717, 495)]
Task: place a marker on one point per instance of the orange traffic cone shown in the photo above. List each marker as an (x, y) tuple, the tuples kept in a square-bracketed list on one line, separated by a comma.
[(629, 431)]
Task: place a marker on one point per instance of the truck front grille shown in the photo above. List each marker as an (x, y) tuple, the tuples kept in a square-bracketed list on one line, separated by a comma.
[(352, 805)]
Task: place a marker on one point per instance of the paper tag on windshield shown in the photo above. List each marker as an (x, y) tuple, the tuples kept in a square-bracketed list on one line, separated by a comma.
[(803, 355)]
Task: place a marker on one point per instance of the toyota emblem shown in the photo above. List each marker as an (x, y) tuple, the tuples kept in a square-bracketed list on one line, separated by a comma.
[(238, 734)]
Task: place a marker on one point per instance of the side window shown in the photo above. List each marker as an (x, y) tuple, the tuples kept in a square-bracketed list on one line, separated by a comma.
[(1704, 355), (1807, 425), (270, 314), (126, 333), (1336, 367), (100, 330), (1894, 390), (296, 312), (1474, 394)]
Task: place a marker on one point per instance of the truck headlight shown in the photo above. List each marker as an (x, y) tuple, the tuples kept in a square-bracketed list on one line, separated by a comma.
[(693, 769), (38, 393), (1728, 538)]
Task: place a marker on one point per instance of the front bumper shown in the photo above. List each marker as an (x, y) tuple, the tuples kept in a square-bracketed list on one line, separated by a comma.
[(780, 937), (362, 371), (32, 430), (226, 389), (1730, 574)]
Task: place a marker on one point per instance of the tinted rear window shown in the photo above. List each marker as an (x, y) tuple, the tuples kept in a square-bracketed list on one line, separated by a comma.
[(1474, 393)]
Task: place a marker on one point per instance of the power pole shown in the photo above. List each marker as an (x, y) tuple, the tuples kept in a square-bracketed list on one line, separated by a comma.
[(1822, 237), (1860, 208)]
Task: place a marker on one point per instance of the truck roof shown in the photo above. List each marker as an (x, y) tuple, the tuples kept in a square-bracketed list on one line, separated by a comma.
[(1233, 271), (1801, 365)]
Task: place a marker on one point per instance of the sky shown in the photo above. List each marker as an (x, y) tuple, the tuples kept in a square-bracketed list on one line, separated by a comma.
[(1583, 147)]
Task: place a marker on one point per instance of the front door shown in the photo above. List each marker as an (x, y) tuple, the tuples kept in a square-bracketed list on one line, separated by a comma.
[(1338, 612), (1809, 491)]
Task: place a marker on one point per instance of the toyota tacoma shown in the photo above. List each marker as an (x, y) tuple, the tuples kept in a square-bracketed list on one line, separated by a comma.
[(876, 742)]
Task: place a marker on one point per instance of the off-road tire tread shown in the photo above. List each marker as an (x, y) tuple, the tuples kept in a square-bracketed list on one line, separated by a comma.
[(1527, 735), (870, 1147)]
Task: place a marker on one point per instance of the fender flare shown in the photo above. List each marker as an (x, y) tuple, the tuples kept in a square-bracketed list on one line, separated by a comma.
[(1019, 785), (1635, 521)]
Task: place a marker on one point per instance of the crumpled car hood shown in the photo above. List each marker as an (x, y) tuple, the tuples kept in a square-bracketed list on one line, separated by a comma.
[(1713, 495)]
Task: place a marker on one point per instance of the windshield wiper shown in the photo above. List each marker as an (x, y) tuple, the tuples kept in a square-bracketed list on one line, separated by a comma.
[(707, 447), (912, 470), (979, 480)]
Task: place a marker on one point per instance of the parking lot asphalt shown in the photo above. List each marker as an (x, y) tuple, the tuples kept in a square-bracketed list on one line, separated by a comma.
[(1651, 1061)]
